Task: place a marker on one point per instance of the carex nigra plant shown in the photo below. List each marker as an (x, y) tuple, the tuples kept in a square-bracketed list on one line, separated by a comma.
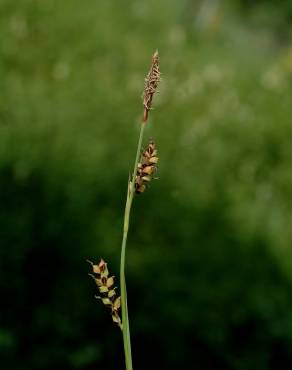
[(145, 166)]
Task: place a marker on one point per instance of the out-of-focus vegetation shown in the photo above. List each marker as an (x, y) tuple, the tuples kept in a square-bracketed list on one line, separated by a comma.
[(209, 254)]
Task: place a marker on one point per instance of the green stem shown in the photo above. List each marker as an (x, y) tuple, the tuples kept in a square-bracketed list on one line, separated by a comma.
[(124, 306)]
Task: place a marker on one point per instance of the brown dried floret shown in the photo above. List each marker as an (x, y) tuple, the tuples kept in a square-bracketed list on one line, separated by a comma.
[(146, 168), (151, 83), (106, 289)]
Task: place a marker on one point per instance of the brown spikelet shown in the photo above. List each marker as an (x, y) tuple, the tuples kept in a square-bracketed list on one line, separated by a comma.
[(146, 168), (106, 289), (151, 84)]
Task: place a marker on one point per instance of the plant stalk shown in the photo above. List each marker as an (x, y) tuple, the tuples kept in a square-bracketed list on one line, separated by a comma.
[(124, 306)]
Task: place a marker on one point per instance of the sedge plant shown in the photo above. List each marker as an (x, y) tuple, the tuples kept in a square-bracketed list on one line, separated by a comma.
[(145, 166)]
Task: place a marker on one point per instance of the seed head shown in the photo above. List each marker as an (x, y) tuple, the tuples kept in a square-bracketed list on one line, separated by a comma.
[(106, 289), (151, 83), (146, 168)]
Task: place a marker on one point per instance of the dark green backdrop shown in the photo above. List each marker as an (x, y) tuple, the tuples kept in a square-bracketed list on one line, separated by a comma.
[(209, 253)]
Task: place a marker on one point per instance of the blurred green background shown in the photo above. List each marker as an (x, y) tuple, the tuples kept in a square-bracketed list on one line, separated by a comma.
[(209, 256)]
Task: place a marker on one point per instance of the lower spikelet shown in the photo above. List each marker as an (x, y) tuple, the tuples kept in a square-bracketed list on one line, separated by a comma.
[(106, 289), (146, 168)]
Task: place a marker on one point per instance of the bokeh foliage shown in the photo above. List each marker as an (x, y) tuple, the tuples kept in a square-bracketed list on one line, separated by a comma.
[(209, 254)]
